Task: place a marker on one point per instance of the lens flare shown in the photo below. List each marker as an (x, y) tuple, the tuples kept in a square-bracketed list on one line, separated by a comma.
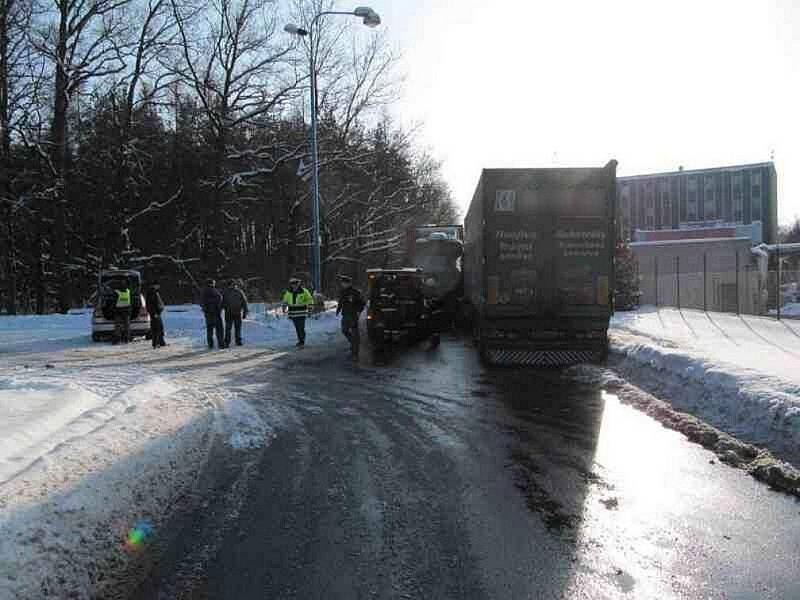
[(138, 534)]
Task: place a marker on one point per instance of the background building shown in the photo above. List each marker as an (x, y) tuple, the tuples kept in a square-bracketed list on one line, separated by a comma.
[(737, 195), (714, 272)]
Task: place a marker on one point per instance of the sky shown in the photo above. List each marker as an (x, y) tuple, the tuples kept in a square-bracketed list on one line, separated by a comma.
[(654, 84)]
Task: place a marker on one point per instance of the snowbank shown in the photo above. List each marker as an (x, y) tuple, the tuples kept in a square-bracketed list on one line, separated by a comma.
[(43, 332), (791, 310), (266, 325), (99, 443), (49, 333), (738, 373), (77, 492)]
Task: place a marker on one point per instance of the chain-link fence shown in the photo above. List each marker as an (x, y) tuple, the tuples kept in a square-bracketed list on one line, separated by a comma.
[(710, 282)]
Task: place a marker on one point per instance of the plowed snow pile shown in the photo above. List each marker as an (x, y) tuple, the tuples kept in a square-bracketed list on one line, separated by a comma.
[(99, 443), (739, 373)]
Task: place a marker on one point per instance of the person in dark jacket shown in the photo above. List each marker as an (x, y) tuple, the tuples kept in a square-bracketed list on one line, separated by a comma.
[(211, 302), (234, 302), (351, 303), (155, 306), (108, 301)]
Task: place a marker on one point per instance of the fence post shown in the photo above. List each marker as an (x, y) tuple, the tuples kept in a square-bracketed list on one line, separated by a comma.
[(655, 269), (737, 282), (678, 280), (779, 299), (705, 284)]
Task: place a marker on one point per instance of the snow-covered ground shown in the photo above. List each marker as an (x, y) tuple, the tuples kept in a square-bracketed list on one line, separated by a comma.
[(791, 309), (97, 441), (740, 373)]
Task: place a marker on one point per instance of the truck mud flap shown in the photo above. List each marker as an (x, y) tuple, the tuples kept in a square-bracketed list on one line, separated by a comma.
[(540, 358)]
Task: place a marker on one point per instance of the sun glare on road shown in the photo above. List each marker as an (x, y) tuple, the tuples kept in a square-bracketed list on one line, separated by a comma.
[(637, 450)]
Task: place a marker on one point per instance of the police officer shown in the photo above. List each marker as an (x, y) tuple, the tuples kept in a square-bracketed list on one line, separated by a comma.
[(351, 303), (122, 315), (297, 302)]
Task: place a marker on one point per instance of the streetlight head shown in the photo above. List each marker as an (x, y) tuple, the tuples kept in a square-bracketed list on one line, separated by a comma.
[(370, 17), (294, 29)]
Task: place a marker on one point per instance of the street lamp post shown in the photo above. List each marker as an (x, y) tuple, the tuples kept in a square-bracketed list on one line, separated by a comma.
[(370, 19)]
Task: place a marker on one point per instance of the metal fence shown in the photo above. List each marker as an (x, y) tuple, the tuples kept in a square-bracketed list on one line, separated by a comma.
[(694, 282)]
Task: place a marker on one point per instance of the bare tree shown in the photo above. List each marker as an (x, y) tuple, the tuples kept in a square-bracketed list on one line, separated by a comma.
[(21, 78), (137, 89), (83, 40), (234, 61)]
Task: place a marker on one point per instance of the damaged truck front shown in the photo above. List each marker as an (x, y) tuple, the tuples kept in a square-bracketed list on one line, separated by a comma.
[(538, 264)]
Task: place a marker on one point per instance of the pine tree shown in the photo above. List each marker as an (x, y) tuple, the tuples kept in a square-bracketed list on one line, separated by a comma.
[(626, 293)]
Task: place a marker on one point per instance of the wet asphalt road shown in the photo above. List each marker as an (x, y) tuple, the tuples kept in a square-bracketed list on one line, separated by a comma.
[(433, 477)]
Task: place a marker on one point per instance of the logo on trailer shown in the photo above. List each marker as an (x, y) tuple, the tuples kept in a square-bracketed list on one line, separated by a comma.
[(505, 201)]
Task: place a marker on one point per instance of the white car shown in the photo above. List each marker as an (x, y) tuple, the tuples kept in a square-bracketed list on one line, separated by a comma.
[(103, 325)]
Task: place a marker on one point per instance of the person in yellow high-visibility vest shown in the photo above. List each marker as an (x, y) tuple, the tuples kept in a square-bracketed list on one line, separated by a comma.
[(297, 302), (122, 316)]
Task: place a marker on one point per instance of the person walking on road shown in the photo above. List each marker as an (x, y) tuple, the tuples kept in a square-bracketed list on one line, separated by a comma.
[(155, 306), (211, 301), (297, 301), (351, 303), (122, 315), (234, 302)]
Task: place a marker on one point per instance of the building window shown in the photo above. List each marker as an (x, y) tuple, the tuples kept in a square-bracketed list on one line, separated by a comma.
[(666, 205), (691, 200), (650, 206), (755, 197), (709, 199), (737, 199), (626, 206)]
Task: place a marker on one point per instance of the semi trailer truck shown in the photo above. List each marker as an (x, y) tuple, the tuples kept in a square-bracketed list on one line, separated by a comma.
[(539, 264)]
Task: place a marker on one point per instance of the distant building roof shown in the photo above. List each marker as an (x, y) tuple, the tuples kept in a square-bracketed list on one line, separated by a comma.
[(692, 241), (695, 171), (699, 233), (702, 231)]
